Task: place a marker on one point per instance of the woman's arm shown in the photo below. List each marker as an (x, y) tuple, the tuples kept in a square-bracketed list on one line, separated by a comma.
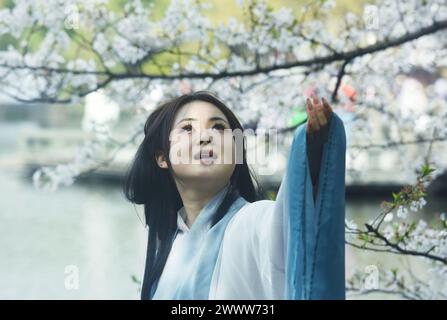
[(293, 247), (303, 234)]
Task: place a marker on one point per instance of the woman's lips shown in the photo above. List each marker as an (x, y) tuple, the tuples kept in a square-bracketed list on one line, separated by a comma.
[(206, 157), (207, 154)]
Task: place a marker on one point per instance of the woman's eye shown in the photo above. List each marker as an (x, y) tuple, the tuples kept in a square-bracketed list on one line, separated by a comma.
[(219, 126), (187, 127)]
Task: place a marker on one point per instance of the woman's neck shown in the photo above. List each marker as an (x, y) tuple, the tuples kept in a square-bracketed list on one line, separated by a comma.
[(195, 199)]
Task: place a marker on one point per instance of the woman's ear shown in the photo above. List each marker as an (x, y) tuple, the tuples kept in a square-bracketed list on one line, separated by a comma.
[(161, 160)]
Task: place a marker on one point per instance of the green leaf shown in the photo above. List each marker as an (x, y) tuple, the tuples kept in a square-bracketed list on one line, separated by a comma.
[(395, 196), (426, 170)]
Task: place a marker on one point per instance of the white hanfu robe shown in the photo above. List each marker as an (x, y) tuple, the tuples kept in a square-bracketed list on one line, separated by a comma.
[(290, 248)]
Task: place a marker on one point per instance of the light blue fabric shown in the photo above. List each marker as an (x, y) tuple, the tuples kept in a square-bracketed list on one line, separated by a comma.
[(199, 257), (315, 236)]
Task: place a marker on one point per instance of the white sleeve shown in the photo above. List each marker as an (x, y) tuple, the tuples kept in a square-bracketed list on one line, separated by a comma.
[(268, 248), (251, 261)]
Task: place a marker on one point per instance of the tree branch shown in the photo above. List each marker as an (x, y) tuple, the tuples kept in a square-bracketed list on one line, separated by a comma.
[(344, 56)]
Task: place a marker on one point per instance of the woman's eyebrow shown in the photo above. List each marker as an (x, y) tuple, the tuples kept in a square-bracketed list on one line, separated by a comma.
[(210, 119)]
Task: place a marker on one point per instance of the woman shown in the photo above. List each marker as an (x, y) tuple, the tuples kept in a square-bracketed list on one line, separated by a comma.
[(211, 236)]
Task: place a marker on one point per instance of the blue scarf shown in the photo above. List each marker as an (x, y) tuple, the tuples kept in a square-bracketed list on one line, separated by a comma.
[(199, 254)]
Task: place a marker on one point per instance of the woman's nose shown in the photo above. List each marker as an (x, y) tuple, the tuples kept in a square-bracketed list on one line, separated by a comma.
[(205, 137)]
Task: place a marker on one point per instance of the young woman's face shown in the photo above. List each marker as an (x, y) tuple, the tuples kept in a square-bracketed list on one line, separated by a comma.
[(202, 145)]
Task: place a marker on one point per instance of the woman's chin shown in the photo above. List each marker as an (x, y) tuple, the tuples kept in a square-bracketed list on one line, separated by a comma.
[(208, 162), (206, 171)]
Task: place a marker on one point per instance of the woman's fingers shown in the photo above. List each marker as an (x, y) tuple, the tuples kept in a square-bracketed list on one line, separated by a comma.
[(312, 124), (319, 111), (309, 116), (309, 127), (327, 109)]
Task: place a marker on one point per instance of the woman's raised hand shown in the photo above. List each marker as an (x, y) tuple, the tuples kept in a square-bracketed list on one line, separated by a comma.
[(319, 113)]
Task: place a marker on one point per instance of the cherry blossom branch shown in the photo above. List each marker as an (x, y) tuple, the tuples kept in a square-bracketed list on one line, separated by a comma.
[(342, 56)]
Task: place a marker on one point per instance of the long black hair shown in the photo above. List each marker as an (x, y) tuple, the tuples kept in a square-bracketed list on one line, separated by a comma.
[(146, 183)]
